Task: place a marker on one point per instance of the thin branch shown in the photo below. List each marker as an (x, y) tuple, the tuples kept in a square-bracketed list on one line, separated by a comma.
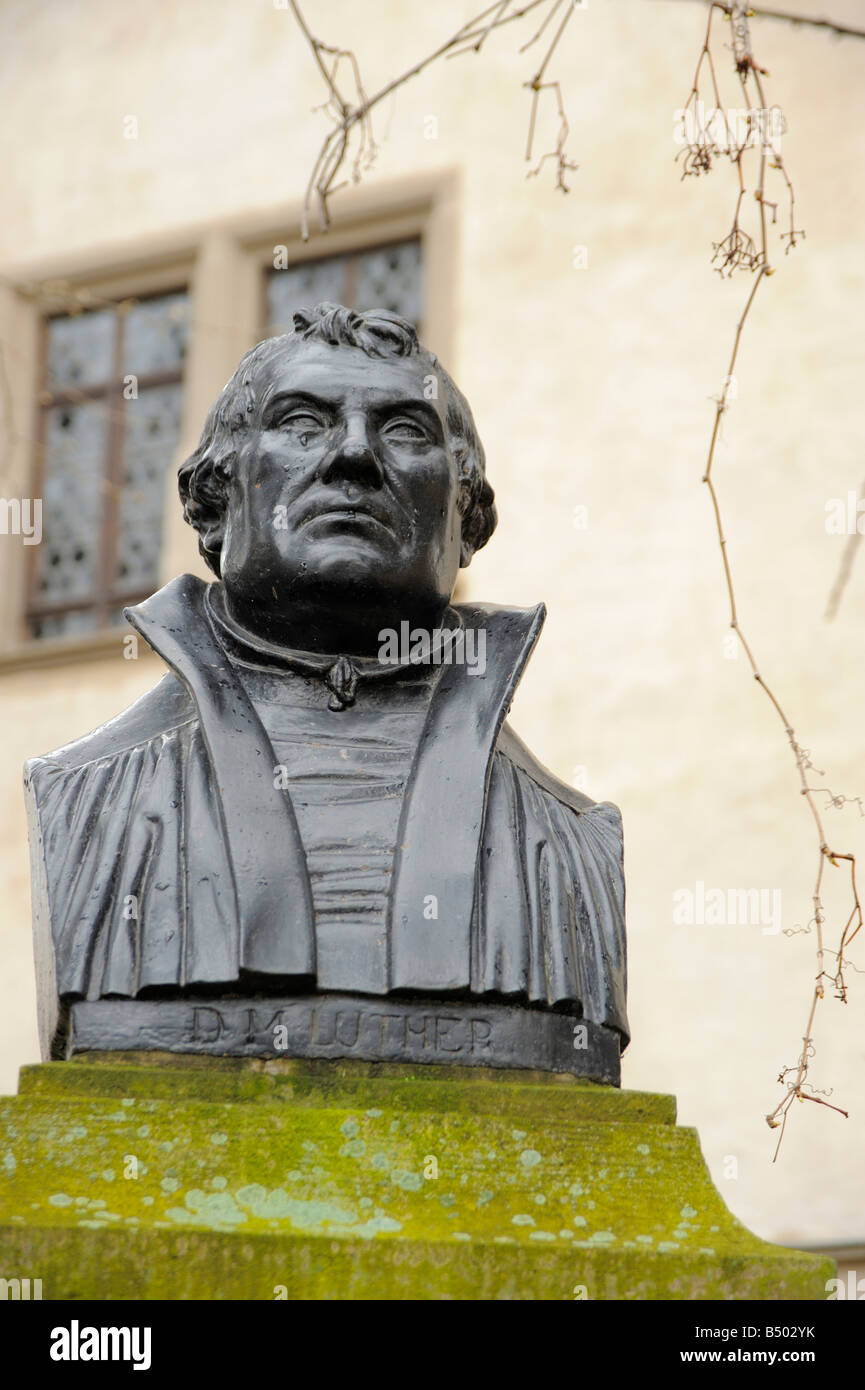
[(741, 250), (353, 115), (844, 31), (544, 23)]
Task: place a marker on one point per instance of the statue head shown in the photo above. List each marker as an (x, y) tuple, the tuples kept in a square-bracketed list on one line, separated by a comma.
[(339, 483)]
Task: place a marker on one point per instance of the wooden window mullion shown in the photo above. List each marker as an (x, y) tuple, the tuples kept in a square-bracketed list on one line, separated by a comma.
[(112, 480), (40, 417), (351, 277)]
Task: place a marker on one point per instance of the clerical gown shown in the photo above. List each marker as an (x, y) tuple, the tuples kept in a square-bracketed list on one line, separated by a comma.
[(168, 856)]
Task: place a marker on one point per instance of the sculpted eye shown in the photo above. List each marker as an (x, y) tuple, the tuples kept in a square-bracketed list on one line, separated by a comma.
[(404, 428), (301, 420), (303, 424)]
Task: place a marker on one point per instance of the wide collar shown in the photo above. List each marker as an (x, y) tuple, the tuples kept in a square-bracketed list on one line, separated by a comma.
[(435, 866)]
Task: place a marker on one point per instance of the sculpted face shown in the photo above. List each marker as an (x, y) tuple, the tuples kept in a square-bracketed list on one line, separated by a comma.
[(342, 511)]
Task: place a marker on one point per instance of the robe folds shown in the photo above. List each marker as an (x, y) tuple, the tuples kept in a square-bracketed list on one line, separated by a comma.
[(165, 860)]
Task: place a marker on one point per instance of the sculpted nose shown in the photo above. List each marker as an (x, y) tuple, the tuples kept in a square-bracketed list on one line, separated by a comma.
[(353, 460)]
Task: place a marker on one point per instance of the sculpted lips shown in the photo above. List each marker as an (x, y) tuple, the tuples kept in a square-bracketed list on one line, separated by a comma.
[(351, 510)]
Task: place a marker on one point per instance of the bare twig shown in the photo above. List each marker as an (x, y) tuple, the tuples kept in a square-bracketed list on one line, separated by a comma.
[(538, 85), (355, 115), (844, 31), (742, 250), (803, 21)]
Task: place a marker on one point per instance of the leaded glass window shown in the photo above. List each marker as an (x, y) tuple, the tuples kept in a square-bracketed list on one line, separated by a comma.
[(110, 425), (382, 277)]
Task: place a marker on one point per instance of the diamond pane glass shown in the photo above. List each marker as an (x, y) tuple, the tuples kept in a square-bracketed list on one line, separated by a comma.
[(154, 335), (80, 350), (150, 437), (389, 278), (75, 439), (301, 287)]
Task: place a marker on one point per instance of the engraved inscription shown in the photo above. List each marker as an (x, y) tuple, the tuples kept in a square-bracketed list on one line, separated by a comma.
[(332, 1028), (340, 1025)]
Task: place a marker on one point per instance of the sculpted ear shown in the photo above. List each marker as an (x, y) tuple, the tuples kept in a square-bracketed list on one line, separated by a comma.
[(211, 534), (205, 503), (479, 522)]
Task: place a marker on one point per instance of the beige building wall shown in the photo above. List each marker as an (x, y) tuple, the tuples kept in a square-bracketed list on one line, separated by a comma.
[(592, 388)]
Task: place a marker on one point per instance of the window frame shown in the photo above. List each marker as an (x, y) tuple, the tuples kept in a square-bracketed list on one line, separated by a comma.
[(106, 596)]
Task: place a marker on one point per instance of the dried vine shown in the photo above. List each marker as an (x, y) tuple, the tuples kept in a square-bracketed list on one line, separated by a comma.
[(338, 163), (705, 143)]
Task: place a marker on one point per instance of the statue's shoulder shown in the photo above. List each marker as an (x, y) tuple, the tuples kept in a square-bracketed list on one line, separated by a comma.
[(510, 746), (175, 609), (166, 707), (513, 633)]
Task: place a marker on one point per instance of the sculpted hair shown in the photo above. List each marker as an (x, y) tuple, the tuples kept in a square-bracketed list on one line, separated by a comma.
[(202, 478)]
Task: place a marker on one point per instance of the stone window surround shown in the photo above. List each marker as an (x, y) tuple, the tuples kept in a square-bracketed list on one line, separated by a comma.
[(108, 580), (222, 263)]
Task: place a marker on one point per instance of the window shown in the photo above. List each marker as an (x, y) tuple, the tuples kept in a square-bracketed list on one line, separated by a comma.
[(109, 427), (383, 277)]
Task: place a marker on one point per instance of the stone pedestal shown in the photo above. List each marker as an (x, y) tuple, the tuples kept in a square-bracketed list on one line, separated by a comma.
[(128, 1176)]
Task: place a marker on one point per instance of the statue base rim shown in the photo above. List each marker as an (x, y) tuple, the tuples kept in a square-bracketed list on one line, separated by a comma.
[(416, 1031)]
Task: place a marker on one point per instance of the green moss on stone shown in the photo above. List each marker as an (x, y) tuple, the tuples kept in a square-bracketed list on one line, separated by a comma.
[(339, 1181), (301, 1082)]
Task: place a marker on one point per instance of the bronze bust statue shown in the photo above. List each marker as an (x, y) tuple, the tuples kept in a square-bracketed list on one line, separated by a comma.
[(318, 836)]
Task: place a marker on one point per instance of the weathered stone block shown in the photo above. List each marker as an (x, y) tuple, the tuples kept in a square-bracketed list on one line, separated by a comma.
[(149, 1176)]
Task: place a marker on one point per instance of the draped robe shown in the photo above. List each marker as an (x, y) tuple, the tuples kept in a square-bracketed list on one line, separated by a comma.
[(167, 861)]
